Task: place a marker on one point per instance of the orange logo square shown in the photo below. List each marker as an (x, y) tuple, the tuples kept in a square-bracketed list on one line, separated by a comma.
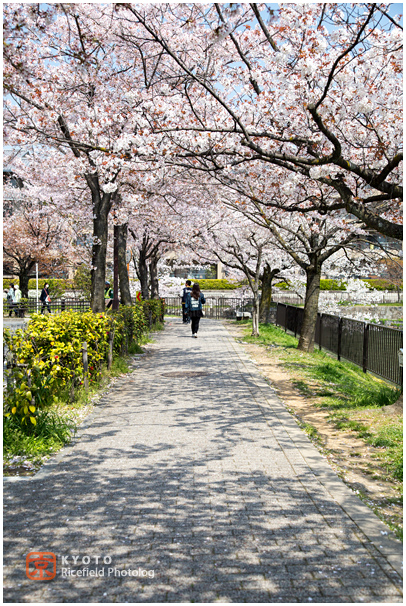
[(40, 565)]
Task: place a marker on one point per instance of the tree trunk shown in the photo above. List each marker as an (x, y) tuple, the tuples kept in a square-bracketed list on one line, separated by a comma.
[(122, 265), (255, 316), (143, 275), (101, 209), (306, 341), (266, 293), (99, 250), (23, 276), (153, 272)]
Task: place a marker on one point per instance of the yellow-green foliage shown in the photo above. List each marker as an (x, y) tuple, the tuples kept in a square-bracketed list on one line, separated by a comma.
[(153, 309), (51, 350), (53, 346), (217, 284)]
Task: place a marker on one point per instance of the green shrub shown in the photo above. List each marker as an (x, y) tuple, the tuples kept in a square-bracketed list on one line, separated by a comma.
[(218, 284), (153, 311), (332, 285), (49, 353), (341, 285), (83, 280), (380, 284), (324, 285), (129, 326), (51, 349), (282, 285)]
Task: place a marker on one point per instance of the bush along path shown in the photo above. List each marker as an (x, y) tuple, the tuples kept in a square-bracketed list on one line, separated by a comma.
[(344, 413), (59, 367)]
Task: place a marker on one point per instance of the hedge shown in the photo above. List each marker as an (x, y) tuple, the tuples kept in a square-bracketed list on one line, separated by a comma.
[(51, 351), (217, 284), (324, 285), (338, 285), (380, 284)]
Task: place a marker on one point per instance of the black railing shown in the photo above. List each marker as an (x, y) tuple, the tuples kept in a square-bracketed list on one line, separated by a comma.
[(215, 307), (370, 346), (59, 305)]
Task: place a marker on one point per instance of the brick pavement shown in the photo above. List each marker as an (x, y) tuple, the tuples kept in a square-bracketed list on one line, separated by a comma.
[(204, 482)]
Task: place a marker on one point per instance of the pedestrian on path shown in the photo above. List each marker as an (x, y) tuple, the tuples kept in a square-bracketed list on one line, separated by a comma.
[(11, 300), (186, 290), (193, 307), (45, 298), (108, 295), (17, 296)]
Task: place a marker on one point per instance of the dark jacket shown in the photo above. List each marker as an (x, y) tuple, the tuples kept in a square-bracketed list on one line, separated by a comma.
[(44, 294), (188, 304), (186, 291)]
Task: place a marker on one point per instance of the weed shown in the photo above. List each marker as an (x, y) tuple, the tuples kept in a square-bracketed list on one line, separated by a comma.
[(311, 431), (51, 432), (390, 438), (302, 387), (134, 348)]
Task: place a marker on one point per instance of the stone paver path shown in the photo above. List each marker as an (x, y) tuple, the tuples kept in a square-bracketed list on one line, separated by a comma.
[(203, 484)]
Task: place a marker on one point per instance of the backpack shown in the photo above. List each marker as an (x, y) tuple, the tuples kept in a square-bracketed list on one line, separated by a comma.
[(194, 303)]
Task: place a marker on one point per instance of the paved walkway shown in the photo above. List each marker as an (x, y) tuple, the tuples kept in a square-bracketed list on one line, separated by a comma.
[(204, 485)]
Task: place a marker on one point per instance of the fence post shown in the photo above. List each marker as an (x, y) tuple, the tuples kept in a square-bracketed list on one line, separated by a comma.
[(321, 331), (124, 346), (286, 317), (365, 348), (110, 350), (296, 319), (340, 332), (62, 305), (85, 366), (29, 383)]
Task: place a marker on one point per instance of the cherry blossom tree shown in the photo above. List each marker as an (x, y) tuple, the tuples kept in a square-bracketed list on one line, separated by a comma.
[(313, 88), (66, 95), (34, 233), (309, 238), (245, 248)]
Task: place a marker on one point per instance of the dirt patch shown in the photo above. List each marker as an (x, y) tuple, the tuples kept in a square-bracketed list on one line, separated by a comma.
[(348, 455)]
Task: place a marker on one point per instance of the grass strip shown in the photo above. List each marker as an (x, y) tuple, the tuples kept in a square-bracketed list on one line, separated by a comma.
[(352, 399)]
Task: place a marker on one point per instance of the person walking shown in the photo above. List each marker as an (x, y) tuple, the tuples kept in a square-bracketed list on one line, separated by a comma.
[(108, 295), (11, 299), (45, 298), (193, 307), (186, 290), (17, 295)]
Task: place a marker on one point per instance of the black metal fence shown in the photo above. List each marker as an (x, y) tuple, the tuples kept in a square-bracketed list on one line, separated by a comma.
[(215, 307), (370, 346), (59, 305)]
